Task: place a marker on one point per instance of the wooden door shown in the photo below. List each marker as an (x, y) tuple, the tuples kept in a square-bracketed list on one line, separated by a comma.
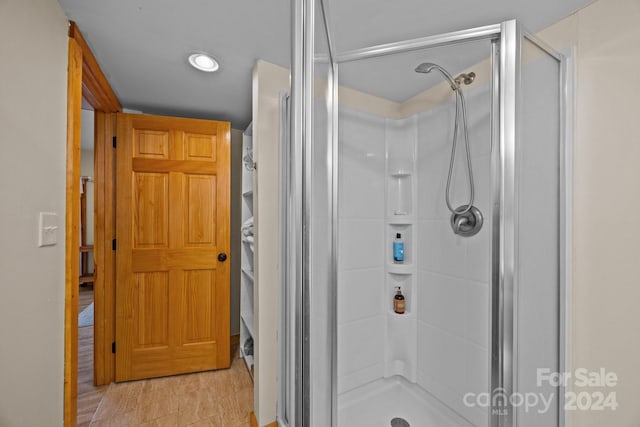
[(172, 281)]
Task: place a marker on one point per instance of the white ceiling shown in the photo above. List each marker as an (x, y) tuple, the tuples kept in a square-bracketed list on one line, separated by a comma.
[(393, 76), (142, 45)]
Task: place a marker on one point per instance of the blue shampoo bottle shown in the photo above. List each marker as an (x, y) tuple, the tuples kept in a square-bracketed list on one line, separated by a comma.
[(398, 249)]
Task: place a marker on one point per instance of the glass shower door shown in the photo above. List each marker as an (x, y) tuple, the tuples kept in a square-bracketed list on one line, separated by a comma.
[(523, 217), (529, 289), (308, 311)]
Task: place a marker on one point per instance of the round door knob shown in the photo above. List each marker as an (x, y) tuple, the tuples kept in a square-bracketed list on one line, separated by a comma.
[(222, 257)]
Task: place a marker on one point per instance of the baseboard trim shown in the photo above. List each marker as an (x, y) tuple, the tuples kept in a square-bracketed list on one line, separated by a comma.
[(254, 422), (235, 339)]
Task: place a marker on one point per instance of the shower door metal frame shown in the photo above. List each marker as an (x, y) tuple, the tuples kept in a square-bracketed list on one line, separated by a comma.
[(286, 334), (505, 216), (294, 410), (507, 38)]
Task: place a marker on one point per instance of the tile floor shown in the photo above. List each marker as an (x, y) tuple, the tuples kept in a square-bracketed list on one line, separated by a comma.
[(221, 398)]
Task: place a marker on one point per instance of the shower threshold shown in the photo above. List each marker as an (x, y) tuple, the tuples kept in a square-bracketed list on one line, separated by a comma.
[(377, 403)]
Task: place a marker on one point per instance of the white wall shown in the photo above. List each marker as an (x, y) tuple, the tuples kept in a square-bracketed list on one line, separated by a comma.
[(605, 324), (268, 81), (33, 123)]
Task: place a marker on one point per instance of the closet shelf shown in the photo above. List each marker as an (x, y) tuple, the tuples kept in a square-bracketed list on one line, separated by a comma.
[(248, 360), (249, 274), (247, 319), (248, 242), (247, 326)]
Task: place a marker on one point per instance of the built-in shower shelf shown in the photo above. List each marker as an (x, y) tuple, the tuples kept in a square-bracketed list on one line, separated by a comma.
[(401, 220), (406, 315), (400, 188), (400, 268)]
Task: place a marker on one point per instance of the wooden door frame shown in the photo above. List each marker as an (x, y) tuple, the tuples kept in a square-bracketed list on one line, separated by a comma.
[(86, 80)]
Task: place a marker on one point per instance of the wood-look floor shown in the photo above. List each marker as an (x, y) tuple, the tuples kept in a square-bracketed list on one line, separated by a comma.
[(221, 398), (89, 396)]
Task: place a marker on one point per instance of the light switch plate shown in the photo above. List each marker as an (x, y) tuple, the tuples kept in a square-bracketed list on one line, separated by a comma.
[(48, 229)]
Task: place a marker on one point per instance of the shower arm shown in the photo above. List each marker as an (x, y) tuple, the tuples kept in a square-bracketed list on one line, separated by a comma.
[(466, 78)]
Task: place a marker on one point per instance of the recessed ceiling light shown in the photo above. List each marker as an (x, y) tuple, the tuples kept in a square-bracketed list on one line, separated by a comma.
[(203, 62)]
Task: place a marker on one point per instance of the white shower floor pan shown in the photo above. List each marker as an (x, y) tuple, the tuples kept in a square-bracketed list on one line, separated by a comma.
[(375, 404)]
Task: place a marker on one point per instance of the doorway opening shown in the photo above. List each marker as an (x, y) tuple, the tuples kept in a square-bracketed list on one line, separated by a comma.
[(88, 89), (89, 394)]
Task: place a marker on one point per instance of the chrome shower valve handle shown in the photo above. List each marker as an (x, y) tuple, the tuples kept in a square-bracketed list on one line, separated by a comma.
[(468, 222)]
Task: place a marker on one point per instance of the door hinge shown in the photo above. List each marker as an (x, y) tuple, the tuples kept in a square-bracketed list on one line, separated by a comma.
[(113, 347), (113, 244), (115, 141)]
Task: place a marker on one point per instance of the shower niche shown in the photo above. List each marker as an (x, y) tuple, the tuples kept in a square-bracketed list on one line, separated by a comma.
[(405, 229), (400, 199), (400, 349), (400, 137), (405, 283), (400, 192)]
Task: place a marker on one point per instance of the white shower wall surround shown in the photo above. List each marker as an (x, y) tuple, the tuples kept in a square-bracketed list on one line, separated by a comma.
[(361, 305), (392, 178), (453, 271)]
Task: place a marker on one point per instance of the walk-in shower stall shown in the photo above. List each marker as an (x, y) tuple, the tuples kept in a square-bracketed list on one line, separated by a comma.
[(431, 168)]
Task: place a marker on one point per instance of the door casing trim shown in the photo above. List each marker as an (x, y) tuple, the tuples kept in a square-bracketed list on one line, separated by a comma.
[(85, 80)]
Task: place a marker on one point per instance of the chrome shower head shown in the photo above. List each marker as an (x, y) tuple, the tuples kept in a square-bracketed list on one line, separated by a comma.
[(427, 67)]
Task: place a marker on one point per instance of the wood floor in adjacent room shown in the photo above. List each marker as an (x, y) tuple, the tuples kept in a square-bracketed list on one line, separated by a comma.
[(221, 398), (89, 396)]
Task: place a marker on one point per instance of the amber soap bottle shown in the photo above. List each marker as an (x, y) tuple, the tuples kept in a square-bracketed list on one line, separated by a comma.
[(398, 302)]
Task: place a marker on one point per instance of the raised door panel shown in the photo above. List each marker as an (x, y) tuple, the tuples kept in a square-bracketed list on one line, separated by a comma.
[(200, 210), (151, 310), (151, 210), (199, 146), (151, 144), (199, 298)]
